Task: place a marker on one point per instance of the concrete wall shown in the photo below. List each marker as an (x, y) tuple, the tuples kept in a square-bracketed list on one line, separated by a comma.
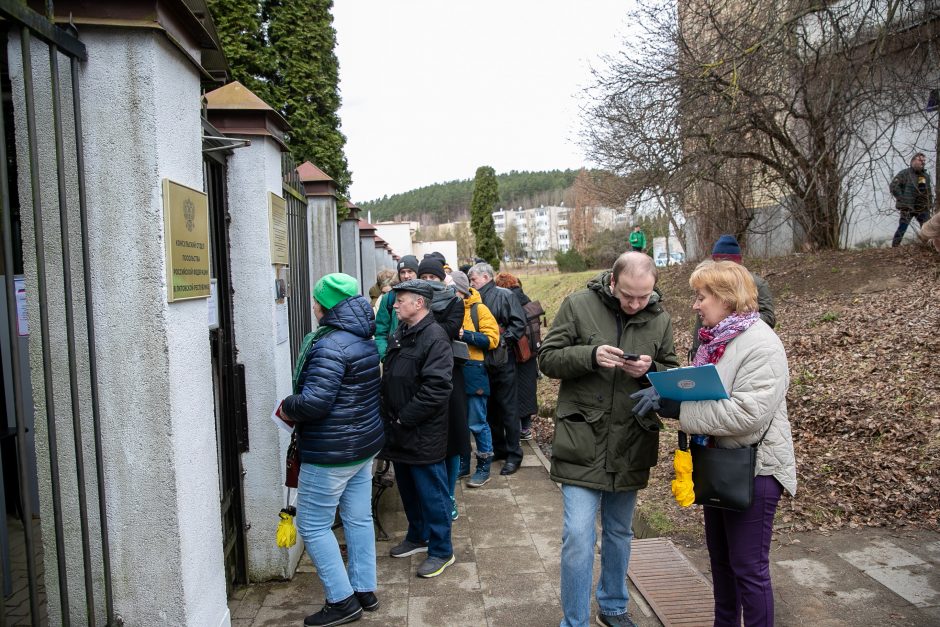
[(322, 233), (141, 115), (367, 262), (350, 259), (253, 172)]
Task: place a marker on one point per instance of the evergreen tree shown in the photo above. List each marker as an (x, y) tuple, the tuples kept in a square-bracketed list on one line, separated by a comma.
[(250, 60), (482, 204), (306, 82)]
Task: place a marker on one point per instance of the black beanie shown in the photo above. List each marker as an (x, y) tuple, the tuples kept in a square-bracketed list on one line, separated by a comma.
[(431, 265)]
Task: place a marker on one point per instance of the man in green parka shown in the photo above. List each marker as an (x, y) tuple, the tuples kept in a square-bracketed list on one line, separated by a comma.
[(601, 345)]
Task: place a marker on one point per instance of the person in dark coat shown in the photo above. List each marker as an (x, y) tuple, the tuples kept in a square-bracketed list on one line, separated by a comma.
[(416, 386), (447, 308), (501, 410), (912, 195), (527, 374), (336, 410)]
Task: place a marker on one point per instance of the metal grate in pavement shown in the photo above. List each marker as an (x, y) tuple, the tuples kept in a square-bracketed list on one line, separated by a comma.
[(675, 590)]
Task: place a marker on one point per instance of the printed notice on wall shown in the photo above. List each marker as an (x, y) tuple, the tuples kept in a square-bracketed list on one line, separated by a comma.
[(281, 329), (213, 304), (186, 229), (22, 324), (277, 212)]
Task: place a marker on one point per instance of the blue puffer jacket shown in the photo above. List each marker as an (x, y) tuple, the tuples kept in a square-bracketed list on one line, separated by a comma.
[(337, 408)]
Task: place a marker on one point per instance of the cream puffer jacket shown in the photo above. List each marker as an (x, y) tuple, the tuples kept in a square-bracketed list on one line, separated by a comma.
[(755, 373)]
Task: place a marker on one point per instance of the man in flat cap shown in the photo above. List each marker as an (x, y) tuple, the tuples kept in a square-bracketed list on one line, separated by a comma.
[(416, 386)]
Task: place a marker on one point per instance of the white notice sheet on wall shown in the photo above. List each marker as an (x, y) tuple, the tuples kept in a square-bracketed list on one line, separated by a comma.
[(22, 324), (281, 330)]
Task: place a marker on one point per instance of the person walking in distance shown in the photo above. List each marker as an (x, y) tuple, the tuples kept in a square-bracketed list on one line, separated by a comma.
[(638, 239), (912, 195)]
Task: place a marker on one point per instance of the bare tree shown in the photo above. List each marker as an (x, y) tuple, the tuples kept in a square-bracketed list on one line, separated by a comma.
[(734, 106)]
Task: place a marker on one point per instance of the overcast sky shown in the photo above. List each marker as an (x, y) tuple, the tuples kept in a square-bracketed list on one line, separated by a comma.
[(432, 89)]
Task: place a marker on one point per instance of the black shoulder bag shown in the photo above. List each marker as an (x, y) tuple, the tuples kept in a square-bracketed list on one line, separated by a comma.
[(723, 477)]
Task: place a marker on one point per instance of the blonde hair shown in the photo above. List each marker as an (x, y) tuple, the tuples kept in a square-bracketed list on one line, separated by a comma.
[(729, 282)]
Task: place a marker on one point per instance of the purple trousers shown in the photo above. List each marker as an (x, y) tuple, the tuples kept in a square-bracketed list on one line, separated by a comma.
[(739, 549)]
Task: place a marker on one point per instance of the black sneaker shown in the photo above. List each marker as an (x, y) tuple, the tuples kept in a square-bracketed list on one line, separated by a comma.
[(346, 611), (620, 620), (407, 548), (525, 434), (368, 601)]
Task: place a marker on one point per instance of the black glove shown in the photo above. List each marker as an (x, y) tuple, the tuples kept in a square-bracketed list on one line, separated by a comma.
[(646, 399), (668, 408)]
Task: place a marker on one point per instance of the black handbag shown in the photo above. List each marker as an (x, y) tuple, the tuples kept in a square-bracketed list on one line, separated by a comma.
[(723, 477)]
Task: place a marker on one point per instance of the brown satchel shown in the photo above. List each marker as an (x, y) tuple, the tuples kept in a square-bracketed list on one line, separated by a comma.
[(522, 350), (292, 476)]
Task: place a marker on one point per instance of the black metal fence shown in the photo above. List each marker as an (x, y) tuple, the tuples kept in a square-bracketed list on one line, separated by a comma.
[(299, 303), (32, 30)]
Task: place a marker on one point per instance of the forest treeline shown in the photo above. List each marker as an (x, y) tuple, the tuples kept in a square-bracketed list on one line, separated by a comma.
[(450, 201)]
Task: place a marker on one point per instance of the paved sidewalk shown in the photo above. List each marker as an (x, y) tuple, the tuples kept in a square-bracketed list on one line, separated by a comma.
[(507, 542)]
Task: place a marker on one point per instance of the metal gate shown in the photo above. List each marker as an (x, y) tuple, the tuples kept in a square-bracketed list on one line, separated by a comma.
[(228, 376), (300, 316), (60, 189)]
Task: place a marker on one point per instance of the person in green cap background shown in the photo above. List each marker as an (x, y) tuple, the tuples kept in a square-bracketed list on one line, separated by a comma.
[(335, 406), (638, 239)]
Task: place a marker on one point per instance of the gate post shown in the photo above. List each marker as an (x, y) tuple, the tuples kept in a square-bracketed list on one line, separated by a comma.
[(139, 99), (350, 260), (367, 254), (321, 194), (254, 175)]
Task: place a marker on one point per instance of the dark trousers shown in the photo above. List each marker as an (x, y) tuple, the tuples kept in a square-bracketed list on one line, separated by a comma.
[(426, 499), (908, 214), (501, 412), (739, 549)]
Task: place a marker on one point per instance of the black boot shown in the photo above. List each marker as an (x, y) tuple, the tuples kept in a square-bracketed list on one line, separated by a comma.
[(346, 611)]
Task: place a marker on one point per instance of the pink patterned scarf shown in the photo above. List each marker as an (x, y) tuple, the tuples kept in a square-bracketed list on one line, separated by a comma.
[(715, 339)]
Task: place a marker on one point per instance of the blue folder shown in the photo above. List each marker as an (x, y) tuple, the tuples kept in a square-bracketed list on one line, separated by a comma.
[(695, 383)]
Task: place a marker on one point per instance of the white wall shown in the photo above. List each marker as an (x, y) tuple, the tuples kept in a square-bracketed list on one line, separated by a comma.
[(398, 235), (253, 172)]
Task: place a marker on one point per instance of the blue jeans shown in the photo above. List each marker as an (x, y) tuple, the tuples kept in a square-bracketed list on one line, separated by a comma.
[(479, 427), (577, 552), (319, 492), (423, 491)]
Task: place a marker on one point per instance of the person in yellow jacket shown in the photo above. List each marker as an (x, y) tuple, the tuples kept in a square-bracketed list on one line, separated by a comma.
[(481, 333)]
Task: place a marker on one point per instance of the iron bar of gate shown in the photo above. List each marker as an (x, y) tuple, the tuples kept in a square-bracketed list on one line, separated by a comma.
[(92, 351), (70, 330), (26, 502), (26, 40)]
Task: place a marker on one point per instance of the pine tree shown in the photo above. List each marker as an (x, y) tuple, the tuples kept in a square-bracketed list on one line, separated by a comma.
[(306, 82), (482, 205), (250, 60)]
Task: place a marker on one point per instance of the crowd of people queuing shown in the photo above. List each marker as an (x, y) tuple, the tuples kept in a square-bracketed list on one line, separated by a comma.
[(430, 364)]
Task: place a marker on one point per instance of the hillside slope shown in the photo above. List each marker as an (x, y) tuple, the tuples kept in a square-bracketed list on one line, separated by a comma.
[(862, 333)]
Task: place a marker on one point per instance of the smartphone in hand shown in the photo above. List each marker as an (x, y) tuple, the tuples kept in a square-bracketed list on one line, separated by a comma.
[(630, 357)]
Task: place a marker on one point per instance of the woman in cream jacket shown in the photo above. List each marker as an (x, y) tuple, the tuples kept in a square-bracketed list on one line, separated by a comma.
[(752, 364)]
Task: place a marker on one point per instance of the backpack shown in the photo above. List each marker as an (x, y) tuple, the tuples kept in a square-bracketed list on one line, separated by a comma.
[(496, 356), (533, 327)]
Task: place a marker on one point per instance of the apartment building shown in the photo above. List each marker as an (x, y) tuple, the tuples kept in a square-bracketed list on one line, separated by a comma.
[(543, 231)]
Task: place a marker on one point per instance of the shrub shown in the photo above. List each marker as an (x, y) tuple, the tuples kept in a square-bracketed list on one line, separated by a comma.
[(571, 261)]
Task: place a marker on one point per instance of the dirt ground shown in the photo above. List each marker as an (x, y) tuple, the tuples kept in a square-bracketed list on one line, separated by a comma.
[(862, 333)]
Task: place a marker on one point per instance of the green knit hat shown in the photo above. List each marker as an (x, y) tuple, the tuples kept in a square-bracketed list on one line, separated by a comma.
[(334, 288)]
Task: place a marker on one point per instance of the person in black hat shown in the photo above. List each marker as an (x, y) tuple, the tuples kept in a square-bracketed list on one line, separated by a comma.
[(416, 386), (385, 319), (447, 308)]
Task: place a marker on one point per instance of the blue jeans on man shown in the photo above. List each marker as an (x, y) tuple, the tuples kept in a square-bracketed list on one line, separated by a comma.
[(427, 504), (320, 490), (577, 552), (908, 214), (479, 427)]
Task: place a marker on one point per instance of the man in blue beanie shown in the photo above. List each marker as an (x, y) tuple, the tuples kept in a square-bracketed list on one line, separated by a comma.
[(727, 247)]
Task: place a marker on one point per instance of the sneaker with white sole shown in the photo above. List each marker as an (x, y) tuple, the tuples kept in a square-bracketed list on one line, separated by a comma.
[(620, 620), (434, 566), (407, 548)]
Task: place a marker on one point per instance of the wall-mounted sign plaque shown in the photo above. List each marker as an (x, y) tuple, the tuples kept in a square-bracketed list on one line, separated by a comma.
[(186, 227), (277, 215)]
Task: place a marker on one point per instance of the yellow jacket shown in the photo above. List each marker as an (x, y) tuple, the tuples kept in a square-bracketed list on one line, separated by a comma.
[(488, 325)]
